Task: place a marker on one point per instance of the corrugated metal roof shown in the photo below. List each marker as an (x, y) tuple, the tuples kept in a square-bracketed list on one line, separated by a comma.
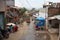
[(55, 17)]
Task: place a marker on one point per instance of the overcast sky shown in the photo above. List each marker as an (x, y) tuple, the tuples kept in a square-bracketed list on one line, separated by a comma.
[(32, 3)]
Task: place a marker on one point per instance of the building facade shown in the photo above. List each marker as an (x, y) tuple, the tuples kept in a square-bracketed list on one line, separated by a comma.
[(10, 2), (4, 3)]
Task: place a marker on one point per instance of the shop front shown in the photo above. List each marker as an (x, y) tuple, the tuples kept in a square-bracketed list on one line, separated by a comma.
[(54, 23)]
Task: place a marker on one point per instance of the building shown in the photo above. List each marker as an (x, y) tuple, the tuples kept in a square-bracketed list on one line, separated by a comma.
[(53, 11), (51, 4), (4, 3), (10, 2), (53, 8), (48, 4), (53, 18)]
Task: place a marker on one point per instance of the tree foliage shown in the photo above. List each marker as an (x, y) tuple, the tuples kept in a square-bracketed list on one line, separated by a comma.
[(22, 10), (33, 9)]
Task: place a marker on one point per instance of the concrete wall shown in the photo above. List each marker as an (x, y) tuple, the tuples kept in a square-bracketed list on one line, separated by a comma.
[(43, 12), (2, 5), (10, 2)]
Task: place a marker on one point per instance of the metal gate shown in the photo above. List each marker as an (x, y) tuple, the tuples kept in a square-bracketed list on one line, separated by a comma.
[(2, 20)]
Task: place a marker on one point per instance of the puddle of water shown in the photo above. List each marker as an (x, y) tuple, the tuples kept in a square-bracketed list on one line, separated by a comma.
[(42, 36)]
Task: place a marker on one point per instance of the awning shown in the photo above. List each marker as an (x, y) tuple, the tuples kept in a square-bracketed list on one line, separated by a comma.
[(40, 18), (11, 24), (54, 17)]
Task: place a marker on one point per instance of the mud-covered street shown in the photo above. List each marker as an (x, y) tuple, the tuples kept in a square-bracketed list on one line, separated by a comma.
[(27, 32)]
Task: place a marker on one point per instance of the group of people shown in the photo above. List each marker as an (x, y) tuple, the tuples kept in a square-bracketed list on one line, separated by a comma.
[(12, 15)]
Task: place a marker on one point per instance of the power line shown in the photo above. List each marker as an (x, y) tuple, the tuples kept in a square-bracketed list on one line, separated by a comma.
[(28, 3), (23, 3)]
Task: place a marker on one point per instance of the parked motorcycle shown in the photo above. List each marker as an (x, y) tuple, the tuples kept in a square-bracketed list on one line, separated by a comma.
[(5, 33), (1, 37)]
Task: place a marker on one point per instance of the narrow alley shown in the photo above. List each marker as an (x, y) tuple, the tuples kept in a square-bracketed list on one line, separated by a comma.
[(29, 19), (27, 32)]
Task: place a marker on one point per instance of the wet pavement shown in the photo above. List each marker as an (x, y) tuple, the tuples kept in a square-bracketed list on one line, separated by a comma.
[(27, 32), (30, 33), (42, 36), (33, 35)]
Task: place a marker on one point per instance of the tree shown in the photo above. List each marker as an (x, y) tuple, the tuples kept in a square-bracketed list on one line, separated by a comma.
[(33, 9), (22, 10)]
